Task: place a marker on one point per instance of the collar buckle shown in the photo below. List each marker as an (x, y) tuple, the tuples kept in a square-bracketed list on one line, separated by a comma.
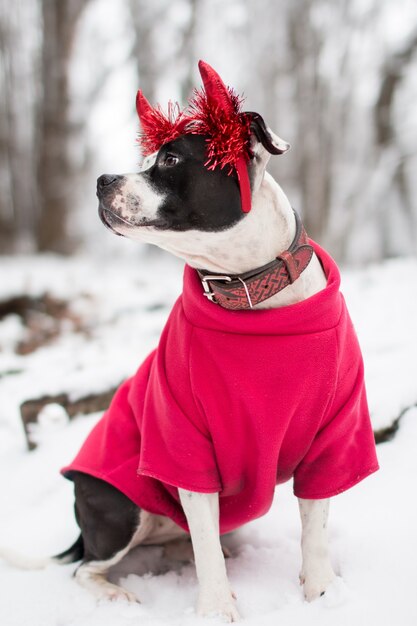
[(207, 291)]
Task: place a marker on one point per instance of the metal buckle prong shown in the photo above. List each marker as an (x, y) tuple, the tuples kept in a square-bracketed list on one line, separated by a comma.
[(207, 291), (246, 291)]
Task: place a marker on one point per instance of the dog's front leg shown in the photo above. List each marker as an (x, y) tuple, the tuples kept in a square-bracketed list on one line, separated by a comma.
[(202, 513), (317, 572)]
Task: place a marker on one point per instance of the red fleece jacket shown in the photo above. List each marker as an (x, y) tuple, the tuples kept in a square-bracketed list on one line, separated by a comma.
[(236, 402)]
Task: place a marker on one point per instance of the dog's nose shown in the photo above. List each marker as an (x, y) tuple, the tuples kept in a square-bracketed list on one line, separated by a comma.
[(106, 180)]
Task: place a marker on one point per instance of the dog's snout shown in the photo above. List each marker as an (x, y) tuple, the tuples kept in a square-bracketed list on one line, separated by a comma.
[(106, 180)]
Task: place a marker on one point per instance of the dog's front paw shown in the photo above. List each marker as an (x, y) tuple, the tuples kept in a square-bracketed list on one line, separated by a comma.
[(316, 579), (218, 604), (115, 593)]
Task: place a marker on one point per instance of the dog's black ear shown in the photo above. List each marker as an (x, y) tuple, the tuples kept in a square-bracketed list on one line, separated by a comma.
[(270, 141), (263, 143)]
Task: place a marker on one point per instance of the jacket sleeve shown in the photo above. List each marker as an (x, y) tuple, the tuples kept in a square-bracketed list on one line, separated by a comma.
[(176, 447), (343, 452)]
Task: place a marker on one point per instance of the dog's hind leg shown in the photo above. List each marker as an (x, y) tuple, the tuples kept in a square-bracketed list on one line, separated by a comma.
[(93, 576), (108, 522), (317, 572)]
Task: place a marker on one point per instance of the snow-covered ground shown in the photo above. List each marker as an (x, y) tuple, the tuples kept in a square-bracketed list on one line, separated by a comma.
[(123, 303)]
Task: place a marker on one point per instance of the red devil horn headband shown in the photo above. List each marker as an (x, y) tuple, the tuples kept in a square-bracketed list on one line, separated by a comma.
[(214, 111), (235, 128)]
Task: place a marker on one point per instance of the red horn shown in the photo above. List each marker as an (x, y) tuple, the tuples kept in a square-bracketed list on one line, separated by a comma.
[(142, 106), (157, 127), (216, 90), (220, 98)]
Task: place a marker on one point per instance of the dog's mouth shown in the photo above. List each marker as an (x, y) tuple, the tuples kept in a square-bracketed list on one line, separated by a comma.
[(110, 219)]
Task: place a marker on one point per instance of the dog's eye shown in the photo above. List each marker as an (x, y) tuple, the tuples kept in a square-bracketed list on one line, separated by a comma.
[(171, 160)]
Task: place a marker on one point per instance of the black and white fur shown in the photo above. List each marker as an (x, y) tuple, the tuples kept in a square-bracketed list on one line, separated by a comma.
[(178, 204)]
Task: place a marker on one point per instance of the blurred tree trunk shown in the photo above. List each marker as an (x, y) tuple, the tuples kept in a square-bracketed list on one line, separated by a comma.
[(153, 61), (186, 54), (392, 75), (55, 171), (145, 15), (286, 45), (18, 194), (312, 99)]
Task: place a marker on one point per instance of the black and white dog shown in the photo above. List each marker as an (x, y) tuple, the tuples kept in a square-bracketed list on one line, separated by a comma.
[(171, 204), (180, 205)]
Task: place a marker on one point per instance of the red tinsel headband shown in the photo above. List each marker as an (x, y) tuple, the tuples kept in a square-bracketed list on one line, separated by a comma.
[(214, 111)]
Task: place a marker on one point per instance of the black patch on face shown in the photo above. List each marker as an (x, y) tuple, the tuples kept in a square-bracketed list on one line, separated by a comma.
[(196, 198)]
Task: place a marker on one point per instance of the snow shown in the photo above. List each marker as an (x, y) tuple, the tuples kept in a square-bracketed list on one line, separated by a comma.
[(123, 302)]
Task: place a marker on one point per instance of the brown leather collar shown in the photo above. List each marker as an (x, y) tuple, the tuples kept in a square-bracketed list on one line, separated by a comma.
[(244, 291)]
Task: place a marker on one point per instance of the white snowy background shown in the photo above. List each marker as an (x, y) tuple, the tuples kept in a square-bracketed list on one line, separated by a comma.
[(120, 295), (372, 527)]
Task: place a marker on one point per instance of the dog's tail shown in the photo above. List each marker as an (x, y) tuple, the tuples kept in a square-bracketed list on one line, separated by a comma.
[(71, 555)]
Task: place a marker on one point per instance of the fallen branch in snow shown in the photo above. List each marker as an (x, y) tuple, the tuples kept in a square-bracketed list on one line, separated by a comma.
[(44, 318), (30, 409), (386, 434)]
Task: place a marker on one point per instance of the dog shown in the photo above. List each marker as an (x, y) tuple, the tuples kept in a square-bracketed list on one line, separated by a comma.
[(258, 377)]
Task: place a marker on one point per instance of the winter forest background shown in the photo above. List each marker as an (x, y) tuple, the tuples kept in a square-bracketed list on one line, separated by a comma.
[(336, 78), (80, 308)]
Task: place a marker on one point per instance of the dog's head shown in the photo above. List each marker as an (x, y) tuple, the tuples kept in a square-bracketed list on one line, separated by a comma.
[(175, 191)]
